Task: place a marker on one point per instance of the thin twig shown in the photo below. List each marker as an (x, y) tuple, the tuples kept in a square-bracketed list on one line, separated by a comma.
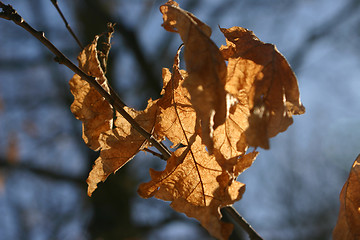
[(104, 49), (131, 41), (239, 220), (154, 153), (9, 13), (55, 3), (49, 174)]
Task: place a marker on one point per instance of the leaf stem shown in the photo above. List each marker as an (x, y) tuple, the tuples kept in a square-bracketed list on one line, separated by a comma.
[(154, 153), (55, 3)]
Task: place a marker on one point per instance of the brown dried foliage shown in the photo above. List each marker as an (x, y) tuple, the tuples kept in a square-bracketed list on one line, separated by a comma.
[(205, 66), (89, 106), (271, 87), (348, 223), (213, 111)]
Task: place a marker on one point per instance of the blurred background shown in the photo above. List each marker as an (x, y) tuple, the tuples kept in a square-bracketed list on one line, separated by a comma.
[(292, 189)]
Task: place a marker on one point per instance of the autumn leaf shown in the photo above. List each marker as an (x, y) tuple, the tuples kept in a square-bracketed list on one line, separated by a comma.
[(197, 186), (263, 73), (211, 112), (118, 143), (177, 121), (205, 66), (121, 144), (348, 223), (89, 106), (229, 138), (177, 116)]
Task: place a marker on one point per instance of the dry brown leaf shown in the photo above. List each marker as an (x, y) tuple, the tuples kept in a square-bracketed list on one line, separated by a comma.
[(244, 163), (205, 66), (177, 117), (89, 106), (121, 144), (348, 223), (264, 74), (264, 95), (197, 185), (177, 121), (208, 216), (229, 138)]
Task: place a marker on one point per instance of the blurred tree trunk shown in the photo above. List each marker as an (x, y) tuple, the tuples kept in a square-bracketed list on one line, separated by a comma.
[(111, 201)]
